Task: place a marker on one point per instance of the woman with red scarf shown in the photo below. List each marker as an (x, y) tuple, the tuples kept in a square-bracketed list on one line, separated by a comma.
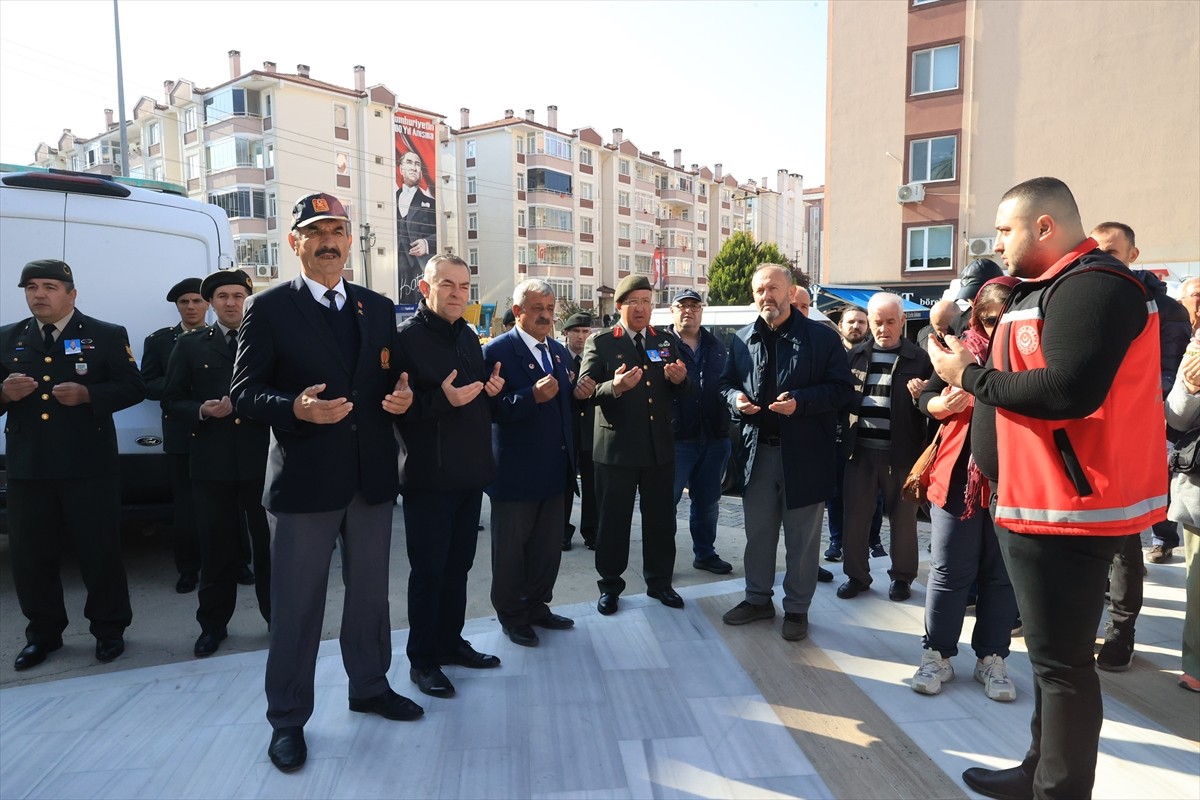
[(963, 546)]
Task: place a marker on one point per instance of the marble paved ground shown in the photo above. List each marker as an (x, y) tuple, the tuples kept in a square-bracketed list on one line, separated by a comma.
[(651, 702)]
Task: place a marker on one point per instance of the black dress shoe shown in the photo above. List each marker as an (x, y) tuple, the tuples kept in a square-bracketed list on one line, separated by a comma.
[(668, 597), (34, 654), (388, 705), (187, 582), (590, 544), (824, 575), (432, 682), (852, 588), (553, 622), (899, 591), (469, 657), (208, 643), (288, 751), (607, 604), (1013, 783), (566, 545), (523, 635), (108, 649), (245, 576)]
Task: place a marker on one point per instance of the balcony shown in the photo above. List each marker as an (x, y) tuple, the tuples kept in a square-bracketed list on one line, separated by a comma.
[(533, 160), (676, 196), (674, 223), (230, 126), (551, 235), (549, 197), (237, 176)]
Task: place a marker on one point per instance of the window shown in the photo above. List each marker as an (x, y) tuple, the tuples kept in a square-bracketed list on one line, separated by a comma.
[(930, 248), (586, 190), (471, 184), (552, 145), (521, 218), (702, 189), (623, 263), (520, 145), (156, 173), (645, 233), (553, 218), (564, 289), (231, 103), (269, 158), (685, 184), (932, 159), (273, 254), (241, 203), (645, 202), (585, 156), (229, 153), (153, 134), (642, 171), (251, 251), (685, 214), (623, 199), (560, 255), (702, 217), (473, 257), (272, 206), (585, 291), (189, 119), (623, 230), (193, 166), (472, 221), (935, 70), (643, 265), (679, 266), (586, 258), (470, 148), (724, 220), (341, 116), (267, 105), (585, 224), (701, 243), (521, 254), (520, 181), (473, 297), (548, 180), (623, 167)]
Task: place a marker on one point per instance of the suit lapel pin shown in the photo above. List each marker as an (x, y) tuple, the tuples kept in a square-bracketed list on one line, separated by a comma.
[(360, 308)]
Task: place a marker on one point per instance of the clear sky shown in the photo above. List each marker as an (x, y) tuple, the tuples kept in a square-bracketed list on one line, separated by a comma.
[(742, 83)]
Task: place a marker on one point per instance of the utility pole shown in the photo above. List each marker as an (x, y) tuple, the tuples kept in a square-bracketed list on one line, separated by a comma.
[(121, 93)]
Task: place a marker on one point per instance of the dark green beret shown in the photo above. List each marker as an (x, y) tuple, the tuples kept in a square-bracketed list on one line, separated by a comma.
[(48, 268), (580, 320), (226, 277), (509, 318), (185, 286), (632, 283)]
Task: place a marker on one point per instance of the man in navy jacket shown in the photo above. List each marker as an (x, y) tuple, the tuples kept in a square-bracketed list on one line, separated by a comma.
[(533, 444), (786, 377)]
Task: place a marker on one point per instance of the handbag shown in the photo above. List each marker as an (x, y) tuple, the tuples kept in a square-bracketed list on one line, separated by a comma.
[(1185, 458), (916, 485)]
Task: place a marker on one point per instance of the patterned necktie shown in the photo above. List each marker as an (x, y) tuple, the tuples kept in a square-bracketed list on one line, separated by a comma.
[(331, 296), (48, 335), (232, 336), (546, 359)]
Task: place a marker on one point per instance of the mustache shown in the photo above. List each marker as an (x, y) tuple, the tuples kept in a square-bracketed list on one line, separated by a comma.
[(331, 251), (543, 320)]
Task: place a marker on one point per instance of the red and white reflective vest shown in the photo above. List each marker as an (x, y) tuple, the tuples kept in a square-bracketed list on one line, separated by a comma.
[(1100, 475)]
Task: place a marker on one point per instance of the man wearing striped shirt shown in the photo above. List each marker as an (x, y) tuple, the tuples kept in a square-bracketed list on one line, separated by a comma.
[(887, 432)]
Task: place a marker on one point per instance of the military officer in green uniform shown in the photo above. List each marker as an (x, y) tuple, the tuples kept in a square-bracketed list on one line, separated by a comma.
[(64, 375), (637, 372), (176, 432), (228, 459)]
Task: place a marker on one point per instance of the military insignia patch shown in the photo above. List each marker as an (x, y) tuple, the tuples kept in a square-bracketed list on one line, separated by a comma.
[(320, 204), (385, 358), (128, 351)]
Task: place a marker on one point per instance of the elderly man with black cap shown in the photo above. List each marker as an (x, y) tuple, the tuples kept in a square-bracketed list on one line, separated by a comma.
[(156, 351), (637, 372), (702, 423), (577, 329), (315, 363), (227, 462), (64, 376)]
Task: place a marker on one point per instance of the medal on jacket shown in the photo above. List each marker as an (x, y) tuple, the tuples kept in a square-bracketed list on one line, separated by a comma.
[(385, 358), (81, 368)]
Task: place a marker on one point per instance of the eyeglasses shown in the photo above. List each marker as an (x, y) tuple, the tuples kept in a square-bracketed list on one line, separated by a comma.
[(637, 302), (989, 322)]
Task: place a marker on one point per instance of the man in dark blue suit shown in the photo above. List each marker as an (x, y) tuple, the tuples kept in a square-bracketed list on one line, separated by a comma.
[(331, 469), (533, 444)]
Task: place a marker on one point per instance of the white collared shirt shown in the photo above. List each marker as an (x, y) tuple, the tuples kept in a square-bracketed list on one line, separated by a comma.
[(318, 291), (532, 344)]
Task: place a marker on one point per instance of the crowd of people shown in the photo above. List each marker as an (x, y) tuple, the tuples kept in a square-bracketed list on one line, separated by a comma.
[(296, 419)]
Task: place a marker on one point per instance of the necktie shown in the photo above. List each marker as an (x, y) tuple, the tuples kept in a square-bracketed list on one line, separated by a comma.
[(546, 359), (641, 346), (48, 335), (233, 337), (331, 296)]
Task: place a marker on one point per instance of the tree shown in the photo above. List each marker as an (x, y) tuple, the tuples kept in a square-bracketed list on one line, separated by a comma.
[(730, 272)]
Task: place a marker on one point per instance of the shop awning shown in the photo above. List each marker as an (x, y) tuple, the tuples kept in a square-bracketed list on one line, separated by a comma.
[(830, 297)]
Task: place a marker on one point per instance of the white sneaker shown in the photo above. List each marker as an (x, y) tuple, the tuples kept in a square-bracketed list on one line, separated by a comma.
[(933, 672), (992, 673)]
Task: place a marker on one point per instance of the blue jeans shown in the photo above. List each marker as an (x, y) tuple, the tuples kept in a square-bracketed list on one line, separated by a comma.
[(700, 466)]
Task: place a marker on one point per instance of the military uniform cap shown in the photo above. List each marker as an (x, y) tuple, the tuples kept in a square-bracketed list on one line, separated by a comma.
[(226, 277), (185, 286), (47, 268), (509, 318), (632, 283), (578, 320)]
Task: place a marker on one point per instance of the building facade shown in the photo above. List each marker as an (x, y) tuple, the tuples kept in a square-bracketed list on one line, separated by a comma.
[(958, 100)]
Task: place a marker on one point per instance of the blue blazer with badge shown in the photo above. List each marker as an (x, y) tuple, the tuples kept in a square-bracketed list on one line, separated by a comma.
[(532, 441), (286, 345)]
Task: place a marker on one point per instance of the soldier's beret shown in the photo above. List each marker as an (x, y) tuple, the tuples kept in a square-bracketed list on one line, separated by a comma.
[(47, 268), (509, 318), (185, 286), (226, 277), (579, 320), (632, 283)]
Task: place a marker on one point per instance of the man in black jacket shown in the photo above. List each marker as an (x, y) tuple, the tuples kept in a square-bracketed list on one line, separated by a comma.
[(156, 352), (227, 462), (445, 462), (578, 328), (65, 374)]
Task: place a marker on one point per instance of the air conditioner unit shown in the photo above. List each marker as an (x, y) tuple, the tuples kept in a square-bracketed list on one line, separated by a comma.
[(263, 271), (982, 247), (910, 193)]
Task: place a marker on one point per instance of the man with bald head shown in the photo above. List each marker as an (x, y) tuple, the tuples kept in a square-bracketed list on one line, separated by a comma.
[(886, 433), (1068, 429), (942, 318)]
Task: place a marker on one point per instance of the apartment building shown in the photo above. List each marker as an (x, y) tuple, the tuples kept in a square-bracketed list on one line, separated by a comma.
[(254, 144), (955, 101)]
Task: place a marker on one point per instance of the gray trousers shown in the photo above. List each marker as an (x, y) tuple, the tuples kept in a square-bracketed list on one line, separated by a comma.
[(301, 547), (868, 473), (526, 552), (764, 508)]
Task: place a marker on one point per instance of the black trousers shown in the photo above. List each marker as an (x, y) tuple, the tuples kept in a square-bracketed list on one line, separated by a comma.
[(183, 523), (441, 532), (1059, 584), (222, 508), (526, 553), (1125, 587), (40, 513), (616, 488), (587, 502)]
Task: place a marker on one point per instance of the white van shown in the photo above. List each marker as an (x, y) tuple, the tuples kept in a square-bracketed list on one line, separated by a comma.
[(127, 247)]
